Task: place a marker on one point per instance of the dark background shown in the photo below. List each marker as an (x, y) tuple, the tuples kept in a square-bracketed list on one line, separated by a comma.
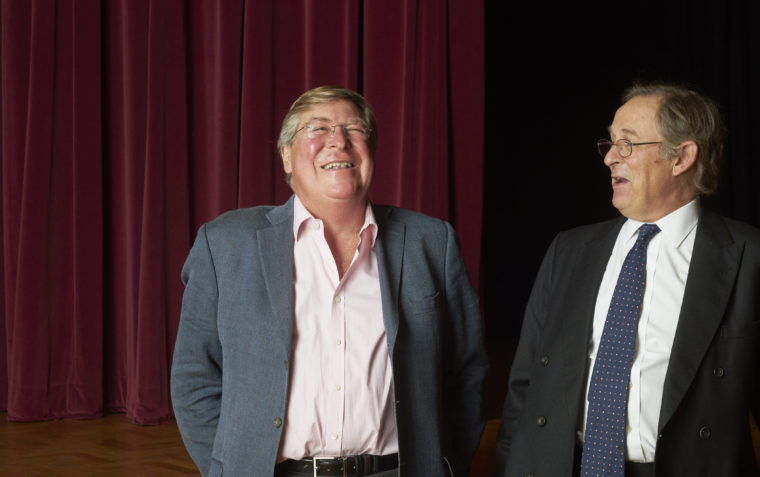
[(554, 77)]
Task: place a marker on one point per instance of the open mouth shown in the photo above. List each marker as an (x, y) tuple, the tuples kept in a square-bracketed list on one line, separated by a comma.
[(338, 165), (618, 180)]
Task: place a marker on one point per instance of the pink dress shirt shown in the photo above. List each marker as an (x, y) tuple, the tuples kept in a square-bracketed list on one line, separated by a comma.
[(340, 397)]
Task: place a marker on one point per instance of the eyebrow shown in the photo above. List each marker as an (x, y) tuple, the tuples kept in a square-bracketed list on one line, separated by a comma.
[(328, 120)]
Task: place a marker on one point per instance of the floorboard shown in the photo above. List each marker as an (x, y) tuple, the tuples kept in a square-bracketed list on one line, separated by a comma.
[(110, 446)]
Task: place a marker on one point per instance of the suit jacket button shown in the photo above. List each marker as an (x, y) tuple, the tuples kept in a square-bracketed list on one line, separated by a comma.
[(705, 432), (719, 372), (541, 421), (277, 422), (544, 361)]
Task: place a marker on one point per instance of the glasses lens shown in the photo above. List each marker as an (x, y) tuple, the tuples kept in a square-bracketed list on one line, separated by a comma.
[(604, 146), (317, 129), (355, 131), (624, 147)]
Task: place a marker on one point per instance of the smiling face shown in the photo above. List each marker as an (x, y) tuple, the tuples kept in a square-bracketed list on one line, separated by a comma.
[(333, 168), (646, 186)]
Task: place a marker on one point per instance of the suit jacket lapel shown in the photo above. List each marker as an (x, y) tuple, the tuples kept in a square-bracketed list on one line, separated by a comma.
[(389, 248), (712, 272), (579, 303), (276, 257)]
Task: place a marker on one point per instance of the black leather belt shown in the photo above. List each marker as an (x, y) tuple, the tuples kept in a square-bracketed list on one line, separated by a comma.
[(348, 466)]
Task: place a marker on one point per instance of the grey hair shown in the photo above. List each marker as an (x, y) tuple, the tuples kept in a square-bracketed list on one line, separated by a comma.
[(685, 115)]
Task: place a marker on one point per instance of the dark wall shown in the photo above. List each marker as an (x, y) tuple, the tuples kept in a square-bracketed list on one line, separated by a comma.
[(554, 76)]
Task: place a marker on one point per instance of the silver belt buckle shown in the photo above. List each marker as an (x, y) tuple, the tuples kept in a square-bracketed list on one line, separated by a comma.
[(316, 458)]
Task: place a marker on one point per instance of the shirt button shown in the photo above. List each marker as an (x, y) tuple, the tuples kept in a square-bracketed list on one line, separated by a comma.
[(334, 437), (277, 422), (337, 299), (315, 226), (338, 342), (337, 387)]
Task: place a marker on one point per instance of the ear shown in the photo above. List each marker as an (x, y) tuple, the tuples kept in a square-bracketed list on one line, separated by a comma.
[(686, 158), (286, 164)]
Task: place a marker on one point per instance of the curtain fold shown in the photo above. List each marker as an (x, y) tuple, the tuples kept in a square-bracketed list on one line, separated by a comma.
[(52, 209), (127, 124)]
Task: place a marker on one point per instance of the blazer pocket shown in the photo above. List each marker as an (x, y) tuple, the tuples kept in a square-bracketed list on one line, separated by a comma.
[(740, 330), (418, 305)]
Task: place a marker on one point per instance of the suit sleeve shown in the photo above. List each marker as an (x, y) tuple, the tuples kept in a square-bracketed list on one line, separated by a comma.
[(525, 356), (196, 378), (466, 364)]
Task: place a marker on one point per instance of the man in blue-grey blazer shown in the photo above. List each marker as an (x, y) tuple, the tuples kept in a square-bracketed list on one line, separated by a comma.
[(328, 335)]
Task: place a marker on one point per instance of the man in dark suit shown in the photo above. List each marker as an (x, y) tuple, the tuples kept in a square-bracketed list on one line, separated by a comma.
[(328, 336), (689, 380)]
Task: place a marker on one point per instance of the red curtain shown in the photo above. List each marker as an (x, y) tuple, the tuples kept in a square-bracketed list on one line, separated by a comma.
[(126, 124)]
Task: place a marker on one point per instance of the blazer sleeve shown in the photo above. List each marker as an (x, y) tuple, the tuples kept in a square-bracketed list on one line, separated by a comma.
[(466, 364), (525, 355), (196, 378)]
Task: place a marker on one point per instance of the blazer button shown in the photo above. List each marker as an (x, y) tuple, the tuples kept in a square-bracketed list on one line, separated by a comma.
[(544, 361), (705, 433), (719, 372), (541, 421), (277, 422)]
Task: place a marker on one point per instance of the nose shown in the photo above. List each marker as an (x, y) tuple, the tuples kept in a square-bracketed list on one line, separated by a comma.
[(612, 157), (338, 137)]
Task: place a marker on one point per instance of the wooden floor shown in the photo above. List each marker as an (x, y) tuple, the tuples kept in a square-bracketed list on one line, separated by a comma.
[(114, 447), (110, 446)]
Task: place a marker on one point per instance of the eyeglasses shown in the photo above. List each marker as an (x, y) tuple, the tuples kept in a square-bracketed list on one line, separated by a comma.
[(353, 131), (624, 146)]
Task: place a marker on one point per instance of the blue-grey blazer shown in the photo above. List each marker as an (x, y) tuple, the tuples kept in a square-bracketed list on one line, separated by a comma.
[(231, 359)]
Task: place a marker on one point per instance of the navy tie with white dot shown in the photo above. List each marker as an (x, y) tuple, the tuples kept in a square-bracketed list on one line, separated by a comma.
[(604, 442)]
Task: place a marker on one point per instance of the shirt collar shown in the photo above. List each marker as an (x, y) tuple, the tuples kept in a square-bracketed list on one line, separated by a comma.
[(675, 226), (302, 216)]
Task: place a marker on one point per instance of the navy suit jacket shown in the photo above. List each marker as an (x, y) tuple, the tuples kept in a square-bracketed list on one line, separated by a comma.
[(711, 383), (231, 359)]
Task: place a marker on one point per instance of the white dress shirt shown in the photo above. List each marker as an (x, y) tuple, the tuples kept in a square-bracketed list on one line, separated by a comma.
[(668, 258)]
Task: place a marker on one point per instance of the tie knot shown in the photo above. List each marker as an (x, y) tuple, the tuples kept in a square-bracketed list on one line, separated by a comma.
[(646, 232)]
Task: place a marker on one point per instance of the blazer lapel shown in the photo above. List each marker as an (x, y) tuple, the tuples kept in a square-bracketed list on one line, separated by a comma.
[(712, 272), (276, 257), (389, 248), (579, 303)]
